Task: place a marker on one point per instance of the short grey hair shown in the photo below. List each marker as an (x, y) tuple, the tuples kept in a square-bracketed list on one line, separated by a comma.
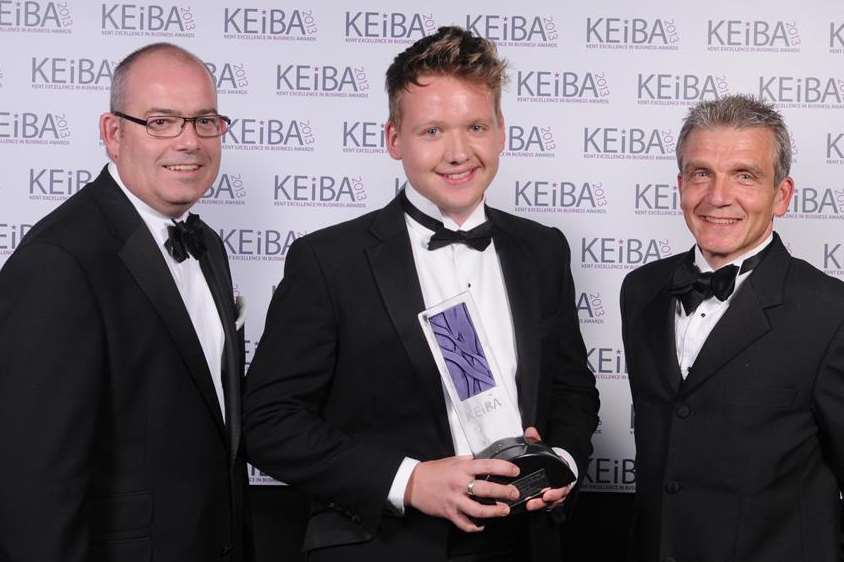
[(120, 76), (741, 112)]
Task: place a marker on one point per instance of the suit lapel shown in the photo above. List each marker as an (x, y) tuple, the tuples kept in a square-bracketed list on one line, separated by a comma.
[(658, 319), (395, 275), (519, 272), (213, 267), (745, 321), (143, 259)]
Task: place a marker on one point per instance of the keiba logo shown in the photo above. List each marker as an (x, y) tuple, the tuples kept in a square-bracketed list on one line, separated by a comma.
[(590, 308), (630, 144), (269, 134), (229, 77), (621, 253), (610, 474), (679, 89), (147, 20), (817, 203), (388, 27), (35, 17), (821, 92), (34, 128), (607, 363), (632, 33), (833, 259), (247, 244), (546, 196), (364, 137), (10, 236), (656, 199), (56, 184), (835, 148), (752, 36), (269, 25), (515, 30), (321, 80), (836, 38), (319, 191), (58, 73), (228, 189), (545, 86), (530, 141)]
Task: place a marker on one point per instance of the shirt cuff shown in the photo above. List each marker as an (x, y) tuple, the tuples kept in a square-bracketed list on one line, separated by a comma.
[(563, 454), (396, 495)]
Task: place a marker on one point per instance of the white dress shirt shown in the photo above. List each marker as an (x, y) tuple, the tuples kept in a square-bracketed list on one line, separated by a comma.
[(691, 332), (444, 273), (192, 287)]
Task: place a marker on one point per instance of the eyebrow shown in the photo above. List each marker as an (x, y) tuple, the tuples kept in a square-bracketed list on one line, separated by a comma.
[(738, 166), (166, 111)]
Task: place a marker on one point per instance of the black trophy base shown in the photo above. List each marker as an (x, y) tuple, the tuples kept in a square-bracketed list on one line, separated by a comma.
[(539, 468)]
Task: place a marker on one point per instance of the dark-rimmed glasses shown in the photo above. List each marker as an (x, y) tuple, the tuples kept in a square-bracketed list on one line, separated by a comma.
[(171, 126)]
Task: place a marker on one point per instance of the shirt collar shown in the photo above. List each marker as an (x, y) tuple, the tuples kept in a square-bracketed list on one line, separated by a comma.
[(704, 266), (477, 217), (156, 222)]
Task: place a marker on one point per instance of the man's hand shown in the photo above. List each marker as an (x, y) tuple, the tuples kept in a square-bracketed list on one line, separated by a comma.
[(441, 488), (551, 497)]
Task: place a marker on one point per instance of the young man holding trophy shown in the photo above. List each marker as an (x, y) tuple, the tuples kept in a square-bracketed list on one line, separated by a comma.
[(422, 374)]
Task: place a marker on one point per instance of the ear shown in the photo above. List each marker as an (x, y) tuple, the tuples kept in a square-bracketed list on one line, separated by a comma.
[(782, 197), (393, 140), (110, 133)]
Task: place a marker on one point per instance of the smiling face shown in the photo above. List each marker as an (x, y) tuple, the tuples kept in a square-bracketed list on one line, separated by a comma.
[(169, 175), (727, 190), (449, 142)]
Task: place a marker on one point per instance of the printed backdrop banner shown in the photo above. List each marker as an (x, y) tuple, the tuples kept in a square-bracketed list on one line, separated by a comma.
[(593, 107)]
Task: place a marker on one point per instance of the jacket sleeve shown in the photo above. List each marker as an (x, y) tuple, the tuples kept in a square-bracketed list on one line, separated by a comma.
[(289, 381), (575, 402), (51, 376)]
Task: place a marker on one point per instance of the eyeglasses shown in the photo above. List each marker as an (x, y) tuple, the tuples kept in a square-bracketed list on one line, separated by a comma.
[(171, 126)]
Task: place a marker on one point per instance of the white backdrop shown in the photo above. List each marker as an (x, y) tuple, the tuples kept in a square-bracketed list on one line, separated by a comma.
[(596, 97)]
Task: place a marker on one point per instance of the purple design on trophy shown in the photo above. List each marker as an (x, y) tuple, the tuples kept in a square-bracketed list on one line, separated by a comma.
[(462, 351)]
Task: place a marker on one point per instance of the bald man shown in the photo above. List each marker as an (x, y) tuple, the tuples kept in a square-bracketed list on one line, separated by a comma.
[(120, 362)]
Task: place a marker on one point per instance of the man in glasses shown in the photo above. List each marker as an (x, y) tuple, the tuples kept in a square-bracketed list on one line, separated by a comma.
[(120, 360)]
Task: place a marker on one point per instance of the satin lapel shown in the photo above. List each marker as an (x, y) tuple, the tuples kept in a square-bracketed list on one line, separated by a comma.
[(658, 331), (395, 275), (519, 271), (144, 261), (745, 320), (218, 282), (146, 264)]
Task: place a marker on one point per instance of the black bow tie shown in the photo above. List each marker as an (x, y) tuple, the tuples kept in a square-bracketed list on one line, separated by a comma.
[(693, 287), (185, 238), (477, 238)]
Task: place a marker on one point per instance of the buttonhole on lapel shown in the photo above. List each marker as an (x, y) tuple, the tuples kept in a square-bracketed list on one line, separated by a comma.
[(469, 285), (703, 315)]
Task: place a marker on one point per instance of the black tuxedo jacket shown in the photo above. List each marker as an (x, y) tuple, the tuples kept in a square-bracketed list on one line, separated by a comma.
[(343, 385), (741, 461), (115, 445)]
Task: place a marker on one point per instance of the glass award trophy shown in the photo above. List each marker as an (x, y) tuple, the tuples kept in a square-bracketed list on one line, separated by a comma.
[(488, 415)]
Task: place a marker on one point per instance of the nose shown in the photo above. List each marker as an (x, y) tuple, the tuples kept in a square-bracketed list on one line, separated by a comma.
[(188, 140), (457, 149), (720, 191)]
